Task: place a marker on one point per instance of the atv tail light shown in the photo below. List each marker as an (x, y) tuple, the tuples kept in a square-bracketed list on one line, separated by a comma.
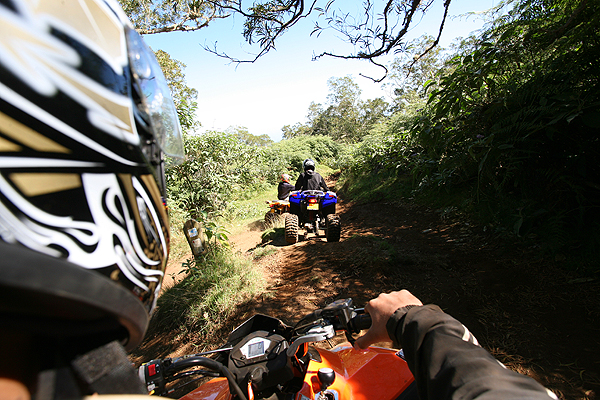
[(312, 200)]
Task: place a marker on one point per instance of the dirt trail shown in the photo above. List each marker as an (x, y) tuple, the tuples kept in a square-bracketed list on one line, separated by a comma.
[(534, 317)]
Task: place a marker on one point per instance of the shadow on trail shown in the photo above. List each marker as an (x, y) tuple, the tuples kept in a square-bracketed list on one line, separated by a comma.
[(534, 316), (509, 299)]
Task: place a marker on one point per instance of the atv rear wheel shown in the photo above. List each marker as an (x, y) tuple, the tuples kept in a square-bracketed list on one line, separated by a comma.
[(334, 228), (291, 228)]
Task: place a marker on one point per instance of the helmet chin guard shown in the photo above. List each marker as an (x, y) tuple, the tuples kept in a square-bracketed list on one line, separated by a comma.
[(70, 303)]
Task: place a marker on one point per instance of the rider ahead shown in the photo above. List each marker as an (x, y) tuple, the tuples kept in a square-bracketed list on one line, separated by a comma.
[(285, 187), (309, 179)]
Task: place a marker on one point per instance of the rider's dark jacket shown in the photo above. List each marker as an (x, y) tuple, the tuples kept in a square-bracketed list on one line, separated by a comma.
[(284, 189), (311, 180), (448, 363)]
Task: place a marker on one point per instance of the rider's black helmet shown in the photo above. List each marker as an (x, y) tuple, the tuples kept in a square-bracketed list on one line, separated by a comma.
[(308, 164), (85, 120)]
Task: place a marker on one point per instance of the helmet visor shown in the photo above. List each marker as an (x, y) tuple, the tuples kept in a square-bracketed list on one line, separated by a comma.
[(156, 97)]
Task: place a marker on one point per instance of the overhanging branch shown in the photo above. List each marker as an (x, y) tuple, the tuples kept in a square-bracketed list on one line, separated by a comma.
[(373, 33)]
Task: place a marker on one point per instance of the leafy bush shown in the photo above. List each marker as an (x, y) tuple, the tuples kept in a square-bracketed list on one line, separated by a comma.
[(512, 126), (218, 166), (518, 117), (288, 155)]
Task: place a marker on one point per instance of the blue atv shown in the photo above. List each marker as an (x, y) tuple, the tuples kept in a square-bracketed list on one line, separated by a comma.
[(312, 210)]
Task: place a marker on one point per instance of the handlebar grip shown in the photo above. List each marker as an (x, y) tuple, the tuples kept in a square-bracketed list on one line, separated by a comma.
[(360, 322)]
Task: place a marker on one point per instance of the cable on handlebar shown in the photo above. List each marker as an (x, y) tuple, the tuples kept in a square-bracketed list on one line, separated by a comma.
[(185, 374)]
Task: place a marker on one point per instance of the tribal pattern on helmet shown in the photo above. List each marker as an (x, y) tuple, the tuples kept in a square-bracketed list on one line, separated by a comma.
[(85, 116)]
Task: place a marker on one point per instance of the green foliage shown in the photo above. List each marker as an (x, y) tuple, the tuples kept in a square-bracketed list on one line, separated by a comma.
[(167, 16), (292, 131), (288, 155), (412, 81), (217, 233), (213, 286), (272, 233), (346, 119), (376, 186), (179, 246), (246, 137), (516, 116), (217, 168), (389, 146), (511, 125), (268, 250)]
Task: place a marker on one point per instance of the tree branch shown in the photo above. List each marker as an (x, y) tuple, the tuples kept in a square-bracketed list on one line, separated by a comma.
[(374, 35), (437, 39)]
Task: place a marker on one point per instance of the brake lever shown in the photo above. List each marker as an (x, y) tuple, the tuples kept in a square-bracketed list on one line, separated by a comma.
[(316, 334)]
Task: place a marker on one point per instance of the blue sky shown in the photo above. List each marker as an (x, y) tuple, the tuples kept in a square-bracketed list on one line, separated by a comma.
[(277, 89)]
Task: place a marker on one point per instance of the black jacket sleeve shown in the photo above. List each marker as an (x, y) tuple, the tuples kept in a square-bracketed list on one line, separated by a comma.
[(283, 190), (322, 184), (299, 182), (448, 363)]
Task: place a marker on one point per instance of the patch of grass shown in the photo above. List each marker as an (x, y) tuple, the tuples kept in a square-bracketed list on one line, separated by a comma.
[(216, 283), (261, 252), (272, 234), (274, 230), (208, 295), (278, 221), (179, 246), (241, 213), (322, 169)]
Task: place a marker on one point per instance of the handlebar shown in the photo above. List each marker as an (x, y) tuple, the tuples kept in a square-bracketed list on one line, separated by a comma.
[(320, 325), (360, 322)]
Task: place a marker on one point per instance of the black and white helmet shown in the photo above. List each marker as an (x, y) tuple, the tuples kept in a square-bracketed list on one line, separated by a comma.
[(308, 164), (85, 120)]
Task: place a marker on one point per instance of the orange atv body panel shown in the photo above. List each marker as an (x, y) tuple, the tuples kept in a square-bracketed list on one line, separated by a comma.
[(374, 374), (281, 205), (215, 389)]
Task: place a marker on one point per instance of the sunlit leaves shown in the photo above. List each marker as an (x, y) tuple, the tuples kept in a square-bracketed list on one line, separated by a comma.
[(167, 16), (346, 117), (509, 118)]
